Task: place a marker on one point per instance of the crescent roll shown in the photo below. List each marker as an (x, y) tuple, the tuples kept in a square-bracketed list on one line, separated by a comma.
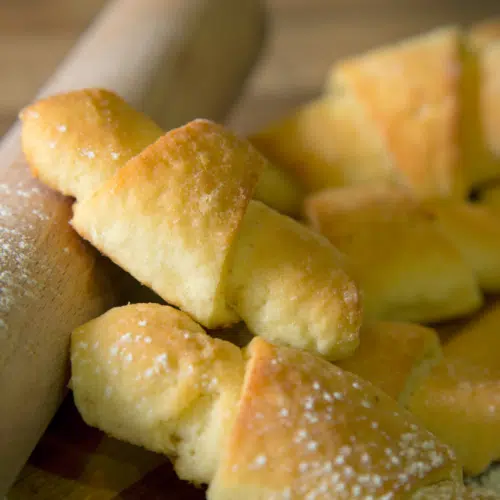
[(484, 33), (171, 214), (394, 356), (325, 143), (77, 140), (405, 100), (179, 217), (490, 198), (475, 230), (481, 102), (490, 102), (406, 267), (300, 293), (205, 246), (460, 399), (266, 423), (389, 114)]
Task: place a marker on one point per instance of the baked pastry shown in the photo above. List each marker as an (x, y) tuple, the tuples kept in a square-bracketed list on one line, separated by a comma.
[(172, 214), (474, 229), (490, 197), (484, 32), (392, 113), (460, 399), (394, 356), (405, 101), (267, 423), (179, 216), (490, 102), (77, 140), (447, 491), (299, 295), (210, 253), (481, 102), (406, 267), (324, 144)]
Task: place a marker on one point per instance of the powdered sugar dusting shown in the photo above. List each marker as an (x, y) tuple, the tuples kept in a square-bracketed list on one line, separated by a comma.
[(17, 224), (336, 433), (88, 153), (5, 212)]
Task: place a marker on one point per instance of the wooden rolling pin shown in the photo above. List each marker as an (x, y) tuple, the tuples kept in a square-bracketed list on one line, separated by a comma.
[(175, 60)]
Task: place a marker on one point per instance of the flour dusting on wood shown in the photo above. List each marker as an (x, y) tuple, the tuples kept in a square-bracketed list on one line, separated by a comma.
[(20, 208)]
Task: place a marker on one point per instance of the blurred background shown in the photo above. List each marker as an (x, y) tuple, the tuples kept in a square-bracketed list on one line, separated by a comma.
[(305, 37)]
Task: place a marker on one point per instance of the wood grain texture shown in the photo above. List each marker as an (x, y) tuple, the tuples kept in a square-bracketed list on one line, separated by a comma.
[(306, 37)]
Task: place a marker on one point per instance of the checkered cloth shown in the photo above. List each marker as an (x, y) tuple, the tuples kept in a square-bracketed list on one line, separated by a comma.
[(75, 462)]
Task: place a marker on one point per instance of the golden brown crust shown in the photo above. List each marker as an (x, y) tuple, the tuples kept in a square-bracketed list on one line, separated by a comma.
[(170, 215), (490, 101), (275, 423), (177, 212), (289, 285), (394, 356), (490, 198), (312, 142), (407, 269), (305, 427), (480, 101), (482, 34), (149, 375), (460, 400), (76, 141), (301, 143), (475, 230), (410, 95), (279, 190)]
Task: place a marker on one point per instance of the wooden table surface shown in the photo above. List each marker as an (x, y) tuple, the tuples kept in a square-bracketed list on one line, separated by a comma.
[(305, 37)]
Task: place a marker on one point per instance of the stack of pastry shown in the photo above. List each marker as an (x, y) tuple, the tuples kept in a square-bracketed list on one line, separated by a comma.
[(404, 178), (345, 390)]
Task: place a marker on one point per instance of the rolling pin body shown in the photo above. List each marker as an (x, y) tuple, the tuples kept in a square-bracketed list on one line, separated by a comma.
[(173, 59)]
